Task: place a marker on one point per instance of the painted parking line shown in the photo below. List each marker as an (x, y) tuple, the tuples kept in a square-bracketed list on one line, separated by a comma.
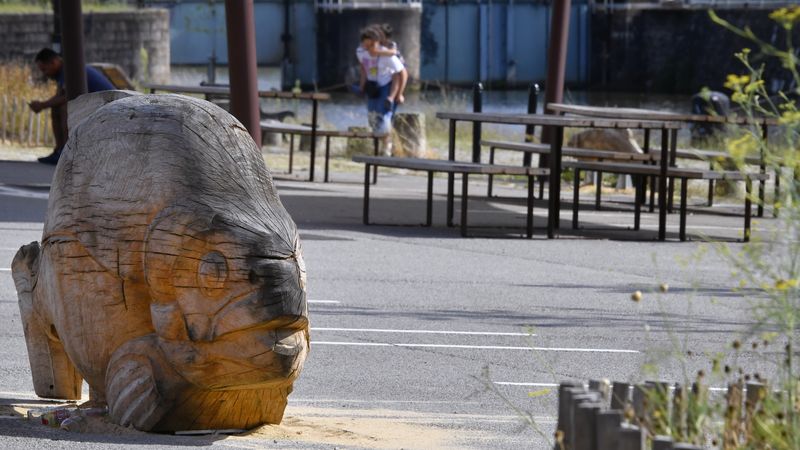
[(462, 333), (23, 193), (554, 385), (325, 302), (476, 347), (5, 269)]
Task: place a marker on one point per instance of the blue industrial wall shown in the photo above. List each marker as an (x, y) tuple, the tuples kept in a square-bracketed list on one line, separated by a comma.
[(510, 47)]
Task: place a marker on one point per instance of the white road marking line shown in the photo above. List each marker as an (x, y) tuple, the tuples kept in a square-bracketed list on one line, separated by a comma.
[(514, 383), (325, 302), (381, 330), (476, 347), (4, 269), (22, 193)]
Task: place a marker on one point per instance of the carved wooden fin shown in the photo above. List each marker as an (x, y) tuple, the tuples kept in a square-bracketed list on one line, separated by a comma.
[(133, 392), (54, 375)]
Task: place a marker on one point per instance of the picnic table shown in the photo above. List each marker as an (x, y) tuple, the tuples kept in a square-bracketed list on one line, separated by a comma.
[(207, 91), (685, 119), (302, 130), (556, 126)]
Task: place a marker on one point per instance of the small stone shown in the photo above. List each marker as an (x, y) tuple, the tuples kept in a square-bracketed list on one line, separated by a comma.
[(664, 287), (636, 296)]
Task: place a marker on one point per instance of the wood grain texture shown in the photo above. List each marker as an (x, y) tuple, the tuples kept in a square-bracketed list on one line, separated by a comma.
[(169, 275)]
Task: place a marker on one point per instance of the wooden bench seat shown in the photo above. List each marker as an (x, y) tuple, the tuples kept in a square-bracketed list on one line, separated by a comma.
[(684, 174), (432, 166), (272, 126)]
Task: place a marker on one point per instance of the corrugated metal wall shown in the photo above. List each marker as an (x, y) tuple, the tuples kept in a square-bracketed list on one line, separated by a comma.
[(510, 47), (503, 42)]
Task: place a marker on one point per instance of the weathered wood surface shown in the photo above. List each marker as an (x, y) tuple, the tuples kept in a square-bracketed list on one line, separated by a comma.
[(643, 169), (216, 90), (304, 130), (441, 165), (574, 152), (79, 110), (557, 121), (169, 275), (651, 114)]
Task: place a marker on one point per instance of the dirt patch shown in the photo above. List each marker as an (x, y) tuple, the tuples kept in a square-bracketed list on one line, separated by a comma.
[(358, 428)]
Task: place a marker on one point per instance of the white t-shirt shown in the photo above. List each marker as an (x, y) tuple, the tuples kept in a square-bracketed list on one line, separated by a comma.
[(379, 68)]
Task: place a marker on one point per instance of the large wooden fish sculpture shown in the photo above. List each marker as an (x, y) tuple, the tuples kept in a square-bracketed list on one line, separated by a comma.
[(169, 275)]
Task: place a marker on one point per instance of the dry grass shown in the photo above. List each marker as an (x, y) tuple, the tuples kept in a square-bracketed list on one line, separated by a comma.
[(21, 84), (44, 6)]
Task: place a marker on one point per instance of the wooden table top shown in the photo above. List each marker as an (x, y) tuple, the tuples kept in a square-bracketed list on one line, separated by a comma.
[(219, 90), (651, 114), (558, 121)]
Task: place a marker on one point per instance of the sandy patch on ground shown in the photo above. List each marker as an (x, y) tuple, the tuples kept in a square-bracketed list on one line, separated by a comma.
[(341, 427)]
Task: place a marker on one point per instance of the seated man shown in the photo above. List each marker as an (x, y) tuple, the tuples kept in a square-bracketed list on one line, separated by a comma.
[(51, 65)]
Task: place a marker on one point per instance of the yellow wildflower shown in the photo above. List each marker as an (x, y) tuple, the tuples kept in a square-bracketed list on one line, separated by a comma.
[(783, 285), (735, 82), (790, 117)]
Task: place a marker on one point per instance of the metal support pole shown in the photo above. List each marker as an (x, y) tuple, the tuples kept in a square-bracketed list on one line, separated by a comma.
[(451, 155), (662, 186), (529, 230), (366, 194), (555, 181), (464, 202), (556, 61), (74, 58), (429, 207), (313, 156), (533, 104), (327, 156), (477, 106), (576, 191), (762, 184), (682, 233), (241, 32)]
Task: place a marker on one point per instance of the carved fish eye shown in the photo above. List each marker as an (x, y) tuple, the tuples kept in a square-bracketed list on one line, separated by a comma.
[(212, 273)]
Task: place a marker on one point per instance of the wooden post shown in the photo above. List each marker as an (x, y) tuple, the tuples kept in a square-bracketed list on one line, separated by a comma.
[(565, 393), (620, 396), (697, 398), (640, 405), (662, 443), (603, 387), (39, 129), (240, 28), (584, 422), (632, 438), (733, 416), (30, 127), (13, 127), (607, 430), (4, 119), (679, 403), (753, 401)]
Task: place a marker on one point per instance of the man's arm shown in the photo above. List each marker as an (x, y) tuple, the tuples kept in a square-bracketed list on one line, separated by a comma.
[(56, 100), (362, 77), (404, 82)]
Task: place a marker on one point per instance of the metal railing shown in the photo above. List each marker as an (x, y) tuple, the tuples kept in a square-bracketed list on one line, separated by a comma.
[(339, 5)]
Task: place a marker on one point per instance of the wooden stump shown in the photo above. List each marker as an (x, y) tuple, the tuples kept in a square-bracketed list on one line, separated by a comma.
[(409, 135), (359, 146)]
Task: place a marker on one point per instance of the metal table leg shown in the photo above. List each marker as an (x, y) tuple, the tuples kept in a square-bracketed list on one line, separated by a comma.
[(464, 202), (451, 155), (366, 194)]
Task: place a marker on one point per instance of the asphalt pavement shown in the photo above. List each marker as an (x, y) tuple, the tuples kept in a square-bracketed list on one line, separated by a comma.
[(420, 326)]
